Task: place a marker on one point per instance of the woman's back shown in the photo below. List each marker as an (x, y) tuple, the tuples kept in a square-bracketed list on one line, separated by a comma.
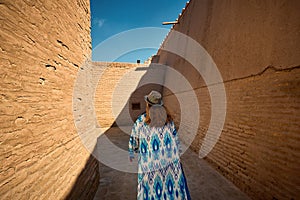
[(158, 145), (154, 138)]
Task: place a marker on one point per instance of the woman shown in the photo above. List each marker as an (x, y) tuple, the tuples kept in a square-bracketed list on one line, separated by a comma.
[(154, 138)]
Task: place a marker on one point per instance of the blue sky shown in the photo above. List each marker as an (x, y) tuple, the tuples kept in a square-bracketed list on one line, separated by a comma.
[(113, 17)]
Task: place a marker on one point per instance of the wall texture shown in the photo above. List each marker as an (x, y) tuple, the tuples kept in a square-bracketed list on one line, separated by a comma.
[(43, 43), (106, 96), (256, 47), (120, 87)]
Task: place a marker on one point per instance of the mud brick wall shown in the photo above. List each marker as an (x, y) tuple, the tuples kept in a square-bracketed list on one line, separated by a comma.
[(256, 47), (119, 97), (43, 44), (105, 93)]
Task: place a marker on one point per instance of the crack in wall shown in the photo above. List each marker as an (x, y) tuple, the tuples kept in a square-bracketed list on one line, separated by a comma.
[(67, 60), (270, 67), (62, 44)]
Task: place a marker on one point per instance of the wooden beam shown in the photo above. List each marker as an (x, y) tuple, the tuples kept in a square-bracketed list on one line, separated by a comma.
[(168, 23)]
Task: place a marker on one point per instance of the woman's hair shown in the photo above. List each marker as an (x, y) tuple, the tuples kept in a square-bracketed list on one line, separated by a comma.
[(157, 115)]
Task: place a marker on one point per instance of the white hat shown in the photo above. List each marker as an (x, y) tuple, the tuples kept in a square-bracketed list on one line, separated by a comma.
[(154, 98)]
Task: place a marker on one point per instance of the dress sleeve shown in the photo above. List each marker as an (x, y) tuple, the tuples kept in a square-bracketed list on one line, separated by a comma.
[(133, 145), (175, 134)]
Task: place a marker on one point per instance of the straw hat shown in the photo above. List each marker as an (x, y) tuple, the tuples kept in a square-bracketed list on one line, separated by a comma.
[(154, 98)]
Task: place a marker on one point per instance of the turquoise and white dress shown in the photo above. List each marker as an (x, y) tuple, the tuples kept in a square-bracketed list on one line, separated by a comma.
[(160, 174)]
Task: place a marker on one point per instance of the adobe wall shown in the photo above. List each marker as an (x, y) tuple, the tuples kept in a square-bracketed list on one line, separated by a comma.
[(255, 45), (43, 44), (120, 91), (105, 91)]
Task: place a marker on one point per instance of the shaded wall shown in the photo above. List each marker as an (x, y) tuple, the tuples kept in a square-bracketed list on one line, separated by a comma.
[(256, 47), (120, 91), (106, 96), (43, 44)]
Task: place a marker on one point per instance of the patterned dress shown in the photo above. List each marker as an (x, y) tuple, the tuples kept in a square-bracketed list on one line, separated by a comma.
[(160, 174)]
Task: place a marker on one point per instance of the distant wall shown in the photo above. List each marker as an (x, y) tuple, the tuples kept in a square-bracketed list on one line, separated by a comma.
[(119, 97), (43, 44), (105, 92), (256, 47)]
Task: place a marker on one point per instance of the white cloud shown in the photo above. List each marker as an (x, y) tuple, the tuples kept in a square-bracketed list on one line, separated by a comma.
[(99, 22)]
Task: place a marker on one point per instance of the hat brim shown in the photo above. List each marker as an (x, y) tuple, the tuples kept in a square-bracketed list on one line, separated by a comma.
[(149, 102)]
